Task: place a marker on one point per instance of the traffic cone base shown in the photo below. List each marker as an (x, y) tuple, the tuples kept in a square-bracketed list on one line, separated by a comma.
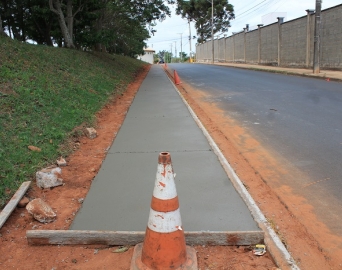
[(164, 244), (158, 254), (190, 263)]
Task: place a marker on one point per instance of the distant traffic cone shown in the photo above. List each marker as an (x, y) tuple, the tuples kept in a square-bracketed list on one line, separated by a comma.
[(164, 244), (165, 65), (328, 79), (176, 77)]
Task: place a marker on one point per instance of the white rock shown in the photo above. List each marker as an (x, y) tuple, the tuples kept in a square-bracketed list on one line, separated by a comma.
[(49, 177), (91, 133), (41, 211)]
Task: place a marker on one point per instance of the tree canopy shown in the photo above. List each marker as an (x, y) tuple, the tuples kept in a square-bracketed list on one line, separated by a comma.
[(120, 26), (200, 12)]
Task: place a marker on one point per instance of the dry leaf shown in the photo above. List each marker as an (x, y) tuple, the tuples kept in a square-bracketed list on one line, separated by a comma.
[(34, 148)]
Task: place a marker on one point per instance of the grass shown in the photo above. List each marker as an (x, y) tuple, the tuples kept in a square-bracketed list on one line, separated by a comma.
[(45, 93)]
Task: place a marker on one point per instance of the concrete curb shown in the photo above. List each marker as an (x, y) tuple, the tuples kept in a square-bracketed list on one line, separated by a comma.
[(277, 249)]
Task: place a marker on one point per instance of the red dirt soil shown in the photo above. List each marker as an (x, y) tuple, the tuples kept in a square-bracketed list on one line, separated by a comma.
[(82, 167)]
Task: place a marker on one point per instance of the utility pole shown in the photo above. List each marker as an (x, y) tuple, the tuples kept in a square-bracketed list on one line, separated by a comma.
[(190, 40), (212, 31), (181, 52), (171, 54), (176, 49), (317, 45)]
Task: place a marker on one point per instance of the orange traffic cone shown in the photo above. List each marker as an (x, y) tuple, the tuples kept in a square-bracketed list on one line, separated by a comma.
[(176, 77), (164, 244), (165, 65)]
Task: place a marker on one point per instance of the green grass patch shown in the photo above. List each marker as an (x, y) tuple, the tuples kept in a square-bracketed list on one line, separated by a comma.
[(45, 93)]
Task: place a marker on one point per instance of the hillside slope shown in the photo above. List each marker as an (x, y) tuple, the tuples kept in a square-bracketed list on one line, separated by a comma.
[(45, 93)]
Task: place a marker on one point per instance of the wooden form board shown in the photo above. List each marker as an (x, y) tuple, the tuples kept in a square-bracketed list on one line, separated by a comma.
[(118, 238), (12, 204)]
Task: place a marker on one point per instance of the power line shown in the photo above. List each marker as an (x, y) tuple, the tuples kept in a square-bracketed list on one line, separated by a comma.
[(271, 3), (253, 7)]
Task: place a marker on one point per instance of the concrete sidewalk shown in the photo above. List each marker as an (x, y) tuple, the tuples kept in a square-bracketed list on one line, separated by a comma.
[(158, 121), (324, 74)]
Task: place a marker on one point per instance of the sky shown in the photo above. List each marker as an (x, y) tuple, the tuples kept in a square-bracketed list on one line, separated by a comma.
[(174, 29)]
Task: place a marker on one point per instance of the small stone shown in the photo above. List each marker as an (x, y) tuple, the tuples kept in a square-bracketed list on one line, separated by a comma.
[(91, 133), (49, 177), (41, 211), (61, 162), (23, 202)]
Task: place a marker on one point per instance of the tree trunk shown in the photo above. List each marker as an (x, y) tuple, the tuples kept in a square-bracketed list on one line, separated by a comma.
[(2, 33), (55, 6), (70, 19)]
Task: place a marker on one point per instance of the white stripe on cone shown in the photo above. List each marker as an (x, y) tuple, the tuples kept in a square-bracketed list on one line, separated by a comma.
[(164, 222), (165, 187)]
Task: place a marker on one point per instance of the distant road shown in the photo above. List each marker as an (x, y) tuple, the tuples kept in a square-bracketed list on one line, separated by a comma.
[(300, 118)]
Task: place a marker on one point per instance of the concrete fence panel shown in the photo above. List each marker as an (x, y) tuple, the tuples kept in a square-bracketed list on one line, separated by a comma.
[(269, 44), (239, 47), (229, 49), (252, 40), (293, 45), (331, 38)]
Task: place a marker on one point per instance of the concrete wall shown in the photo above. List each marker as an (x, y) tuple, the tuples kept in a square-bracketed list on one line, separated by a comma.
[(284, 44), (269, 44), (331, 41), (293, 45), (221, 49), (229, 49), (252, 39), (239, 41)]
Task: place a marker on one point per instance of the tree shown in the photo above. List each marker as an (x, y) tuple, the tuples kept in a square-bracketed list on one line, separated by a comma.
[(119, 26), (199, 11), (122, 26), (42, 26), (183, 56), (66, 23)]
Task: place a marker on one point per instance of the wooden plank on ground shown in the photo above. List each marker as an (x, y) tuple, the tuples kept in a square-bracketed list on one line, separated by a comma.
[(75, 237), (118, 238), (7, 211)]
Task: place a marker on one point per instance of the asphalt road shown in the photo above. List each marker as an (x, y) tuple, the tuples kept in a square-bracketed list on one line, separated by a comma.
[(299, 118)]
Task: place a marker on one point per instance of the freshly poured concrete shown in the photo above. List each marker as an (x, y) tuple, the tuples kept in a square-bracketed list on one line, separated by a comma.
[(158, 121)]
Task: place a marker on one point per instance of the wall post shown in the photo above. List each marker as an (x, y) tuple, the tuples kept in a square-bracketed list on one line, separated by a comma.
[(233, 47), (317, 39), (244, 42), (225, 47), (259, 43), (308, 36), (280, 22)]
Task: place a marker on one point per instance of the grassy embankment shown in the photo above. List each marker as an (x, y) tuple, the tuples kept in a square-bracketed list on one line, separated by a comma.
[(44, 94)]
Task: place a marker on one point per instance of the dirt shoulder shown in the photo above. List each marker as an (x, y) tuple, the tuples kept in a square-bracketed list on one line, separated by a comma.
[(65, 200)]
